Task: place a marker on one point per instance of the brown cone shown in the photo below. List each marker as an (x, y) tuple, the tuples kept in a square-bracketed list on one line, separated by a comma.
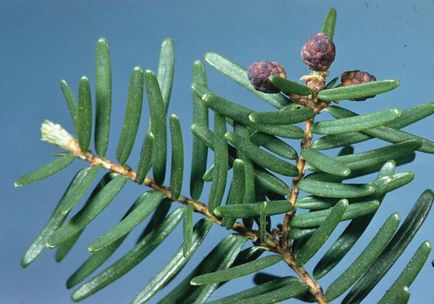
[(259, 72), (318, 53), (356, 77)]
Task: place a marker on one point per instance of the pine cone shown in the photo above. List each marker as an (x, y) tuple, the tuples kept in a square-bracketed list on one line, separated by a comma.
[(318, 53), (259, 72), (356, 77)]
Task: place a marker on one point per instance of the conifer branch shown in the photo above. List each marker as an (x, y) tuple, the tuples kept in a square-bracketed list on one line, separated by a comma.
[(299, 237), (270, 243), (71, 145)]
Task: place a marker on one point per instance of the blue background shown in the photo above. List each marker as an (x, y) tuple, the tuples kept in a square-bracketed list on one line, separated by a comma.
[(43, 42)]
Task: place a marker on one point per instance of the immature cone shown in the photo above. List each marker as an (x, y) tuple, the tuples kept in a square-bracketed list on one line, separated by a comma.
[(356, 77), (259, 72), (318, 52)]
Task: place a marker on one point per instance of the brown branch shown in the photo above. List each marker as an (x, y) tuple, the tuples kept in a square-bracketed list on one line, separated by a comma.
[(314, 288), (72, 146), (293, 195), (315, 82), (284, 249)]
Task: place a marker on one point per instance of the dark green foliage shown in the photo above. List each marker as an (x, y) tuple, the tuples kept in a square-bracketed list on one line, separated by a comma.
[(64, 248), (342, 245), (241, 114), (351, 233), (133, 113), (220, 162), (72, 104), (84, 113), (249, 169), (365, 260), (273, 144), (410, 272), (203, 292), (103, 96), (263, 289), (176, 264), (177, 168), (92, 263), (94, 206), (356, 123), (263, 223), (331, 83), (166, 69), (263, 177), (70, 198), (358, 91), (98, 258), (143, 207), (261, 157), (395, 248), (145, 161), (314, 219), (315, 203), (45, 171), (263, 277), (407, 117), (328, 25), (412, 115), (289, 87), (387, 184), (325, 163), (245, 161), (373, 166), (398, 296), (271, 292), (158, 126), (287, 115), (270, 181), (320, 236), (225, 251), (297, 234), (237, 190), (158, 216), (335, 190), (188, 229), (237, 271), (200, 118), (379, 156), (253, 209), (389, 134), (131, 259)]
